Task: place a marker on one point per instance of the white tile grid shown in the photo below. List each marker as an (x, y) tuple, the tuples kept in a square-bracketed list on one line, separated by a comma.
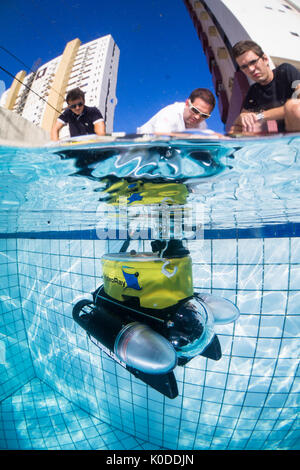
[(55, 272), (13, 341)]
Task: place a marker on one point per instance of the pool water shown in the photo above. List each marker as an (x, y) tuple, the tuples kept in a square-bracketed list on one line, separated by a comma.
[(63, 208)]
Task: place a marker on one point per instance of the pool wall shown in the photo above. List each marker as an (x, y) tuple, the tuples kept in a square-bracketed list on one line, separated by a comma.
[(16, 364), (247, 400)]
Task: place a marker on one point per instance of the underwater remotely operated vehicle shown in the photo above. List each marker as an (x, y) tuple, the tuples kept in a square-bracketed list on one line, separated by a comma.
[(148, 318)]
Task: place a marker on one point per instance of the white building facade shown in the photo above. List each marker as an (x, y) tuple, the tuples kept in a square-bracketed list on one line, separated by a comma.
[(273, 24), (93, 67)]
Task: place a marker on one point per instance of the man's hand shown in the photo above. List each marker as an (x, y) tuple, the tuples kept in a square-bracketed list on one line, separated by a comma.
[(249, 122)]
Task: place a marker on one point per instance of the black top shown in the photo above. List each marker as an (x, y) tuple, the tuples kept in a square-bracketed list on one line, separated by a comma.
[(82, 124), (275, 94)]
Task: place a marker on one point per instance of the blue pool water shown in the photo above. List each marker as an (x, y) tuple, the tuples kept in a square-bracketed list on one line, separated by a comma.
[(62, 209)]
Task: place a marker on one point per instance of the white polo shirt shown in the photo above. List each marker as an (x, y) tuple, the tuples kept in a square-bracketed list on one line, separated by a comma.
[(168, 119)]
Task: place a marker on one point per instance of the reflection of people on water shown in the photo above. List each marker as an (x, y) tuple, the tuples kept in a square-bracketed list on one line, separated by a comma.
[(182, 116), (269, 98), (82, 119)]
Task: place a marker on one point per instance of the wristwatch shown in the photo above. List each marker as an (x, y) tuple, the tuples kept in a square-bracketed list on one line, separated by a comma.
[(260, 117)]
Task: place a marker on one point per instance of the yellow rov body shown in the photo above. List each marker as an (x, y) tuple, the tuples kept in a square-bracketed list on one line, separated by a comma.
[(157, 282)]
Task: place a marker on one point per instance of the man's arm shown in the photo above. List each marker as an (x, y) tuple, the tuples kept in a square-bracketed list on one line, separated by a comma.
[(249, 121), (162, 123), (55, 130), (99, 128)]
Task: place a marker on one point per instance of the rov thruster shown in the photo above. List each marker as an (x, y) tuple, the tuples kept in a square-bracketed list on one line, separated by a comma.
[(147, 317)]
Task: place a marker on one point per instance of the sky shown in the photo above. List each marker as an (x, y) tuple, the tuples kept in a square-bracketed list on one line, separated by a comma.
[(161, 58)]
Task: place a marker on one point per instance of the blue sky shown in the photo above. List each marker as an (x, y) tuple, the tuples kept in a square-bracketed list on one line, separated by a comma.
[(161, 59)]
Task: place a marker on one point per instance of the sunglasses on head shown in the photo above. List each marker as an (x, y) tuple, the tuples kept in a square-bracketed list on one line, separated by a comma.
[(74, 106), (197, 111)]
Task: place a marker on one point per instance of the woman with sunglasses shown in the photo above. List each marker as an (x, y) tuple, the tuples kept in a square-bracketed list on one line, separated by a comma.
[(182, 116), (82, 119)]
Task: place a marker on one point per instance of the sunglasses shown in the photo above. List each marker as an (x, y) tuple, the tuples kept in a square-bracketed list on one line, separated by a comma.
[(250, 64), (74, 106), (197, 111)]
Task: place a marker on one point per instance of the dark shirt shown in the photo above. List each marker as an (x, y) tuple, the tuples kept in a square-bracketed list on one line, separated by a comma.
[(82, 124), (274, 94)]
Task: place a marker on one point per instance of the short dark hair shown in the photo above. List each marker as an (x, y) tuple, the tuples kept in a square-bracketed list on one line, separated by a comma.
[(244, 46), (74, 94), (205, 94)]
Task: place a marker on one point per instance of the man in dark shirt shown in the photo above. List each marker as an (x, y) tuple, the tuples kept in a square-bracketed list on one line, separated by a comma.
[(82, 119), (272, 96)]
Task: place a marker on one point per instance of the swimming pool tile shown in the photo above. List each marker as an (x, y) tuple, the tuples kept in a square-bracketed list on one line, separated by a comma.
[(223, 275), (250, 251), (210, 420), (224, 251), (276, 277), (45, 286), (294, 277), (295, 250), (244, 347), (250, 277), (237, 382), (68, 434), (277, 250)]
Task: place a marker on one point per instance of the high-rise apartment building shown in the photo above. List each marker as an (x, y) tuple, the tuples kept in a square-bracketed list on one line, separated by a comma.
[(93, 67), (273, 24)]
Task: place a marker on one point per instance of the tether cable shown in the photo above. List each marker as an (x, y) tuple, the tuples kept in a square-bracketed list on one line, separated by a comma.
[(26, 86), (15, 57), (27, 67)]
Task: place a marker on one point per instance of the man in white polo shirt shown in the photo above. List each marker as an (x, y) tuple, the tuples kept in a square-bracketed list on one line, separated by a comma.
[(182, 116)]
